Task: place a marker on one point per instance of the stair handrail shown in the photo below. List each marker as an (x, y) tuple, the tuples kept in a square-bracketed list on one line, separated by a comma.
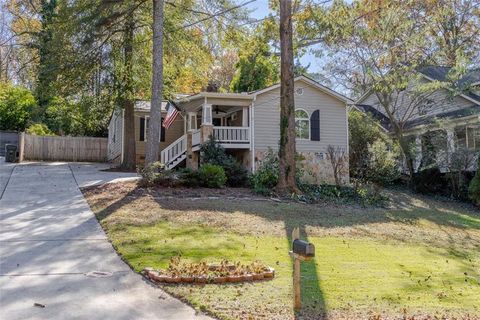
[(174, 150)]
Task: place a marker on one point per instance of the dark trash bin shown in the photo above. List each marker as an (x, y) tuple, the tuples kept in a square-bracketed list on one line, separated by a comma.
[(10, 153)]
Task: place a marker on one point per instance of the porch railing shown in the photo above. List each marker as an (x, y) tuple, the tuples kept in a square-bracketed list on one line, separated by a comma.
[(232, 134), (174, 150)]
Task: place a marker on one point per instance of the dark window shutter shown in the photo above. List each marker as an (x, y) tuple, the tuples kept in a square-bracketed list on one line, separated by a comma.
[(162, 131), (142, 129), (315, 126)]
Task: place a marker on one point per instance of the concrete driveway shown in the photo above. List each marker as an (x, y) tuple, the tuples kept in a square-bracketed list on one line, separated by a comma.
[(54, 253)]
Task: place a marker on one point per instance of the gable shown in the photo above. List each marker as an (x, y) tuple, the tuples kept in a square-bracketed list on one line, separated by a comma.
[(304, 82), (327, 113), (440, 102)]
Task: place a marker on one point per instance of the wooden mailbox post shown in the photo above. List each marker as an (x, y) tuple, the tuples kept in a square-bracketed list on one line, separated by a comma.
[(301, 251)]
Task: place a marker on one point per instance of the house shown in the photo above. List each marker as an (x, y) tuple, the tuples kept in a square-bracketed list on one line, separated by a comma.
[(441, 123), (247, 125)]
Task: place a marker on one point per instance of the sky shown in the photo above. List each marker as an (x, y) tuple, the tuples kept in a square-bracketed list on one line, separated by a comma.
[(259, 9)]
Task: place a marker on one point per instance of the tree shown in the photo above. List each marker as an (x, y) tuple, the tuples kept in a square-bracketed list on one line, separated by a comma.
[(389, 43), (454, 28), (257, 67), (157, 84), (16, 105), (286, 152)]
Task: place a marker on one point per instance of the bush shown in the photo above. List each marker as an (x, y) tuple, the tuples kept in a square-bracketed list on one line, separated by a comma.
[(16, 107), (382, 163), (156, 174), (474, 187), (265, 177), (40, 129), (212, 176), (373, 155), (190, 178), (237, 175), (213, 153)]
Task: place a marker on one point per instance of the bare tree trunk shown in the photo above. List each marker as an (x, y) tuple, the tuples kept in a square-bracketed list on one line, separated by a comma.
[(127, 98), (153, 140), (286, 181)]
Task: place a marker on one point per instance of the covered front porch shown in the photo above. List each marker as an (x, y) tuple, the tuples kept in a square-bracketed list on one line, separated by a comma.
[(223, 117)]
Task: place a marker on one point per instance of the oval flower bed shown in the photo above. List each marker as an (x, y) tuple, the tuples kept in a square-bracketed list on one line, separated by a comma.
[(201, 273)]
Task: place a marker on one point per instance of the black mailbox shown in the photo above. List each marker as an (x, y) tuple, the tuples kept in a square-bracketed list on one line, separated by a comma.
[(303, 248)]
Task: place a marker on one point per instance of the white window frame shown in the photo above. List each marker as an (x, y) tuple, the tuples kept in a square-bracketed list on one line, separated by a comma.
[(302, 119), (145, 132), (474, 131)]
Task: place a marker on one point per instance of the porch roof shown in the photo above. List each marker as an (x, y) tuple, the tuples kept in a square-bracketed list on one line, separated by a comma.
[(194, 102)]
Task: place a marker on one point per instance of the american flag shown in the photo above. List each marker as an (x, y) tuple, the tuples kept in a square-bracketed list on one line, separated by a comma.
[(172, 113)]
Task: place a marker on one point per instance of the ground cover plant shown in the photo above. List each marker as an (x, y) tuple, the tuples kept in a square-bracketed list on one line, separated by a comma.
[(419, 257)]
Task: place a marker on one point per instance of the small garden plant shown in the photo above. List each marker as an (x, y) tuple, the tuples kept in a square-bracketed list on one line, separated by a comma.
[(180, 271)]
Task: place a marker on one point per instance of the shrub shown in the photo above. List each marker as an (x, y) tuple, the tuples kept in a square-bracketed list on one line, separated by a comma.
[(156, 174), (265, 177), (213, 153), (237, 175), (474, 187), (40, 129), (16, 107), (373, 155), (383, 164), (212, 176), (190, 178)]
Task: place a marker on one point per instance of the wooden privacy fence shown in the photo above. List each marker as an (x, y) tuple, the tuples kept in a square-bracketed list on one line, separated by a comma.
[(64, 148)]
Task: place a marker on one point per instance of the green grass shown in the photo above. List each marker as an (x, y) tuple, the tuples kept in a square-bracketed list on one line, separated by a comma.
[(424, 258)]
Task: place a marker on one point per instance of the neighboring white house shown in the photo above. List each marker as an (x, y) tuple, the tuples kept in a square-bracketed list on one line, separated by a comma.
[(447, 120), (247, 125)]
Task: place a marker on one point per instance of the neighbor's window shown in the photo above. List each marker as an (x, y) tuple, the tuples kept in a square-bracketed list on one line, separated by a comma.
[(473, 138), (302, 124), (467, 137)]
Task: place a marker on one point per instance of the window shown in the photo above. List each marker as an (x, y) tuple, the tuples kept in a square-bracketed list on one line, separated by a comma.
[(145, 124), (461, 137), (473, 138), (302, 124), (467, 137)]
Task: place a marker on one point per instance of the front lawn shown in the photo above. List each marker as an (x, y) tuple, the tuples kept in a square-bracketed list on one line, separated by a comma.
[(421, 256)]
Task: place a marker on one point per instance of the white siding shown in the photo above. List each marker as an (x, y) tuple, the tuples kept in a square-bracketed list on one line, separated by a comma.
[(333, 119), (115, 136)]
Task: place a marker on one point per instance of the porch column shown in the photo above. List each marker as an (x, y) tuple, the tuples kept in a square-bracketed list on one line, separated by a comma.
[(245, 117), (207, 126), (192, 157)]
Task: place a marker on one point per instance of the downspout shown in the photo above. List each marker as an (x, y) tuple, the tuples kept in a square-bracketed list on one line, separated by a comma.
[(252, 133)]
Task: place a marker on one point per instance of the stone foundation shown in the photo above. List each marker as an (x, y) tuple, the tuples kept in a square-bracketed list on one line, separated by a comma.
[(315, 165)]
